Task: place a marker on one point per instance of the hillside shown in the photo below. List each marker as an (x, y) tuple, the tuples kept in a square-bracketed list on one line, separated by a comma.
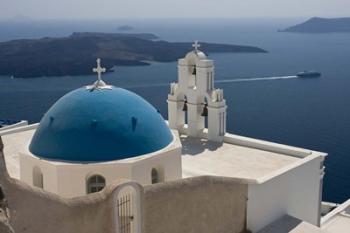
[(321, 25), (76, 54)]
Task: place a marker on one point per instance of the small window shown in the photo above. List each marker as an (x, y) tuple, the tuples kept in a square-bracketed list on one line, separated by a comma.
[(155, 176), (95, 184), (38, 179)]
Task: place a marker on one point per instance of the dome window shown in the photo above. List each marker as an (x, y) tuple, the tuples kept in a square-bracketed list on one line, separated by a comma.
[(95, 184), (155, 176)]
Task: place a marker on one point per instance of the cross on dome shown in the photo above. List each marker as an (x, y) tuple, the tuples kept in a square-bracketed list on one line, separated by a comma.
[(99, 84), (99, 70), (196, 45)]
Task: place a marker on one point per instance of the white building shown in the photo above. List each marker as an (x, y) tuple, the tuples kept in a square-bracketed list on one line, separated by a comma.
[(99, 133)]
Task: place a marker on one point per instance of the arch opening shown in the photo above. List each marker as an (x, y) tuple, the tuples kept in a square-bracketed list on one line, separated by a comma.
[(155, 176), (38, 178), (185, 110), (204, 113), (95, 183), (127, 199), (192, 81)]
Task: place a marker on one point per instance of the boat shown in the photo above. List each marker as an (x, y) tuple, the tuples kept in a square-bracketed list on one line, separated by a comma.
[(309, 74)]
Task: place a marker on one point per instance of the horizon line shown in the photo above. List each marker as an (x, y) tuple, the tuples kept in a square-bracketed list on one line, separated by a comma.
[(29, 19)]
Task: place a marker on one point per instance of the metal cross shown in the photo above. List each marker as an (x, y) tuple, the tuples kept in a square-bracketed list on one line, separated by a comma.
[(99, 70), (196, 45)]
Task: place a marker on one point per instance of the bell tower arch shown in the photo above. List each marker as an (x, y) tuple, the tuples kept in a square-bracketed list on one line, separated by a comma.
[(194, 93)]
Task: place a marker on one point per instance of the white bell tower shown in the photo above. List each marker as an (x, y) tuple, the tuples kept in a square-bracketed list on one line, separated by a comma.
[(194, 101)]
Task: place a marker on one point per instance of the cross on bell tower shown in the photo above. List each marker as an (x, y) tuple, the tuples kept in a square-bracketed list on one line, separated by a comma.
[(196, 46)]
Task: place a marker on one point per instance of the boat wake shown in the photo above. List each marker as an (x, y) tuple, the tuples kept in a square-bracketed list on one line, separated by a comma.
[(255, 79), (219, 81)]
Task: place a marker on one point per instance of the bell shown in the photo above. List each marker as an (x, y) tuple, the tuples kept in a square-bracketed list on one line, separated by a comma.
[(184, 108), (205, 111), (194, 72)]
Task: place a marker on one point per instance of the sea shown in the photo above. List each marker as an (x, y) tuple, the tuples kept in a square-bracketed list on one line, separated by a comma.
[(265, 100)]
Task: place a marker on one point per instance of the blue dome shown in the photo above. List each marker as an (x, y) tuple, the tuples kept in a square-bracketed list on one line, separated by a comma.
[(100, 125)]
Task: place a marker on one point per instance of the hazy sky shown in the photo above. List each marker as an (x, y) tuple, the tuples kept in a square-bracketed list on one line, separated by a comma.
[(68, 9)]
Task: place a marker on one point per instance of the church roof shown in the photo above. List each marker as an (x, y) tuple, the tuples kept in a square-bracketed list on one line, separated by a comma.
[(196, 54), (103, 124)]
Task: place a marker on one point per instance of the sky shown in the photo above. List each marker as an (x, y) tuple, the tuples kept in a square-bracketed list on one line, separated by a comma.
[(110, 9)]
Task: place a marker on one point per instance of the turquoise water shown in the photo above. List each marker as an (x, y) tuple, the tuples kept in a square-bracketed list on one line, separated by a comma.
[(310, 113)]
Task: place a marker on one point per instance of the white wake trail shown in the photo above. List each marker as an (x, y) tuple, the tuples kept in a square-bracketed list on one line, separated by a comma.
[(255, 79), (217, 81)]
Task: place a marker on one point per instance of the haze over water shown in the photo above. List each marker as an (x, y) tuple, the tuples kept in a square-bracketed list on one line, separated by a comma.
[(310, 113)]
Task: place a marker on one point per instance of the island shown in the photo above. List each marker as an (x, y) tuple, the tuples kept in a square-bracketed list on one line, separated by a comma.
[(77, 53), (125, 28), (321, 25)]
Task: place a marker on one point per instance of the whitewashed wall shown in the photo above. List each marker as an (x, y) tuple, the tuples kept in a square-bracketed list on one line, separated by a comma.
[(27, 165), (296, 193), (69, 179), (168, 165)]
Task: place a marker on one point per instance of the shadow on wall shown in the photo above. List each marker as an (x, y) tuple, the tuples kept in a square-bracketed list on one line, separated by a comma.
[(201, 204), (285, 224)]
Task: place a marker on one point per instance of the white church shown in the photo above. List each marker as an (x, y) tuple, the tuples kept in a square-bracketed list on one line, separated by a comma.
[(101, 146)]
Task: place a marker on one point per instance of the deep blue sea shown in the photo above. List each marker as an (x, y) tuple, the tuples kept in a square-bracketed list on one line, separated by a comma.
[(310, 113)]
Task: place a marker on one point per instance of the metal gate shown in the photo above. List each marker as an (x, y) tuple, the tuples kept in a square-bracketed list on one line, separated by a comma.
[(125, 213)]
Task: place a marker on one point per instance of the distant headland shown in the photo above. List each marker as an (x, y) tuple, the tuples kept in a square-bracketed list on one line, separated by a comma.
[(321, 25), (76, 54), (125, 28)]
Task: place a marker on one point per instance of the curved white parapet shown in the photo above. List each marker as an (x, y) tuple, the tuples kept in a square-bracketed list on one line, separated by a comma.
[(18, 124), (16, 128)]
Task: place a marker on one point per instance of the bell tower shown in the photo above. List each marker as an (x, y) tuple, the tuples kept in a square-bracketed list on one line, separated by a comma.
[(194, 101)]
